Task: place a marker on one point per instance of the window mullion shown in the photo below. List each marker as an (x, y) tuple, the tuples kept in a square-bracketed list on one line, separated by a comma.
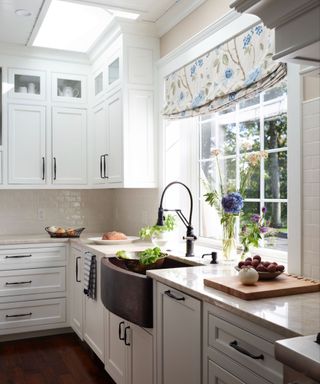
[(262, 182)]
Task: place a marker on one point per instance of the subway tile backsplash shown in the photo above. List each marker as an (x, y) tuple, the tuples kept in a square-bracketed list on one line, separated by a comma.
[(29, 211), (311, 189)]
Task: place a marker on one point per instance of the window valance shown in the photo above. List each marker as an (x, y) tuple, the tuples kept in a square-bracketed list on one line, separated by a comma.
[(237, 69)]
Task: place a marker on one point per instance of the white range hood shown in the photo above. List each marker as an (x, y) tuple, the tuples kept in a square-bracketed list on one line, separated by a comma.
[(296, 24)]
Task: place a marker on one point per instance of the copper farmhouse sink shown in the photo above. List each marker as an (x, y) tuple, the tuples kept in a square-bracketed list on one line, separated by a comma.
[(129, 294)]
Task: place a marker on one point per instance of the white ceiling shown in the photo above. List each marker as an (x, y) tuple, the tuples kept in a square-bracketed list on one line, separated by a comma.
[(16, 29)]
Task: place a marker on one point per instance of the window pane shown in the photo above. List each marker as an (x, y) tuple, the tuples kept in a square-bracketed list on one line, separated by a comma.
[(276, 91), (249, 102), (252, 183), (249, 208), (276, 175), (227, 138), (228, 170), (227, 110), (208, 141), (210, 175), (275, 132), (277, 215), (250, 133)]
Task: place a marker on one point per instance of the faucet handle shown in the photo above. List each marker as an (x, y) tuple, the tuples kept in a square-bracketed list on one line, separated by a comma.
[(213, 255), (190, 237)]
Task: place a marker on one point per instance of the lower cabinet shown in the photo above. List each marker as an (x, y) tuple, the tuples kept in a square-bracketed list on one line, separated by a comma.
[(178, 340), (128, 351), (237, 350), (86, 314)]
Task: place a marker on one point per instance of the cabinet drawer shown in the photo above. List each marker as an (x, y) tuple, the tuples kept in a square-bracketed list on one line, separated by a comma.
[(235, 342), (21, 257), (222, 370), (29, 281), (32, 313)]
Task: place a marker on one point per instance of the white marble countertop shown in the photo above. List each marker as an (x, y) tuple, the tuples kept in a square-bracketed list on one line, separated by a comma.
[(288, 315)]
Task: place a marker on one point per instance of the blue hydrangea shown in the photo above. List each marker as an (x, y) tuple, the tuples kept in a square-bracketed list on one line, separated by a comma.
[(246, 40), (258, 30), (228, 73), (232, 203)]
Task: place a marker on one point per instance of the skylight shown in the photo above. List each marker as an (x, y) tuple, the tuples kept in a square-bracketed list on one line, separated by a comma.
[(74, 27)]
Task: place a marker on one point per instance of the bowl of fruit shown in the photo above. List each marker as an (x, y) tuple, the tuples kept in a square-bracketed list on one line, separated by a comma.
[(267, 270)]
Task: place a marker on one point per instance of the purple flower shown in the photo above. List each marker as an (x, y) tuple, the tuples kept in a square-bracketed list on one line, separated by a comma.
[(255, 218), (232, 203), (264, 229), (264, 210)]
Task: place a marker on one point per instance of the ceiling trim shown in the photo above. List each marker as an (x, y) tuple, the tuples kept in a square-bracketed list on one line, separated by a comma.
[(175, 14)]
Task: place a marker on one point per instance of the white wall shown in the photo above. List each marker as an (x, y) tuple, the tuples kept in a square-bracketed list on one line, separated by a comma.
[(311, 188)]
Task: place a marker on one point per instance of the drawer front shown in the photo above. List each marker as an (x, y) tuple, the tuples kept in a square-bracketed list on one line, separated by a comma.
[(223, 370), (31, 257), (235, 342), (32, 313), (29, 281)]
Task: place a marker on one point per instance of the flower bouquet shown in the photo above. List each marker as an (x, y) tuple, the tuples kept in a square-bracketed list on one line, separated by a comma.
[(228, 202)]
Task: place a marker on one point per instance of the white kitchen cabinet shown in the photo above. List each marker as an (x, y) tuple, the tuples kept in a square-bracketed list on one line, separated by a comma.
[(128, 351), (178, 343), (99, 128), (32, 287), (27, 84), (238, 348), (27, 144), (69, 88), (93, 321), (69, 146), (76, 299)]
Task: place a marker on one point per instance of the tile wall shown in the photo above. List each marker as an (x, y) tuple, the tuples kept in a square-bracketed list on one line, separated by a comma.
[(311, 188)]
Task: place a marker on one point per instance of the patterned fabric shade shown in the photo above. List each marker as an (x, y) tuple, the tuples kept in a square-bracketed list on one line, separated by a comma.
[(237, 69)]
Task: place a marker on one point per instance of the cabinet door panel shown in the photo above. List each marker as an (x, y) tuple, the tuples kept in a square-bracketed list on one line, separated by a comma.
[(69, 146), (114, 139), (76, 292), (141, 356), (27, 130), (99, 126), (115, 349)]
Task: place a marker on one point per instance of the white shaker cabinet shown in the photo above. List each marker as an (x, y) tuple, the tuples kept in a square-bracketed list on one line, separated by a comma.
[(178, 324), (27, 144), (76, 301), (69, 146), (128, 351)]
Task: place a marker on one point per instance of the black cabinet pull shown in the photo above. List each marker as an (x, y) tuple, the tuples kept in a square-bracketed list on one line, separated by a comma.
[(19, 315), (234, 344), (121, 337), (77, 269), (168, 293), (54, 168), (43, 168), (19, 282), (125, 336), (17, 256), (101, 176)]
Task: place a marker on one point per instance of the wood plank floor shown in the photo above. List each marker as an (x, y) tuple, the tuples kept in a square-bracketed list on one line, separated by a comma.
[(60, 359)]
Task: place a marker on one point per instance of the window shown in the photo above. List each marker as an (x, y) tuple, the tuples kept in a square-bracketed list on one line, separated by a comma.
[(255, 124)]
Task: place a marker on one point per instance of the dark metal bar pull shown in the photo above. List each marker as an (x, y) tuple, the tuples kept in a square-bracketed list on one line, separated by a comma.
[(17, 256), (54, 168), (120, 330), (19, 282), (105, 176), (43, 168), (77, 270), (19, 315), (234, 344), (168, 293), (126, 336), (101, 166)]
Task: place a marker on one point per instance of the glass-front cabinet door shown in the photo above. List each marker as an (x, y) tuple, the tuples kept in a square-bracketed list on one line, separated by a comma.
[(98, 84), (113, 71), (68, 88), (26, 84)]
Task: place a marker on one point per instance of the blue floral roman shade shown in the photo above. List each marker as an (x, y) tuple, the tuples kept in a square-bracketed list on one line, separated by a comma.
[(237, 69)]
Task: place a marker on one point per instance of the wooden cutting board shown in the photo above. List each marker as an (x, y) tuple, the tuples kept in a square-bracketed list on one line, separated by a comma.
[(281, 286)]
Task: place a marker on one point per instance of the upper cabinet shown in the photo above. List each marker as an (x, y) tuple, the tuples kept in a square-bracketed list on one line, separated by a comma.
[(123, 117), (67, 88), (296, 24), (27, 84)]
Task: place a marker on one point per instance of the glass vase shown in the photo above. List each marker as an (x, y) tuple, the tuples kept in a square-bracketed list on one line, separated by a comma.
[(229, 245)]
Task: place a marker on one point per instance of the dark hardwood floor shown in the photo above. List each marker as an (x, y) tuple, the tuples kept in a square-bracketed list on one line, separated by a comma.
[(60, 359)]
